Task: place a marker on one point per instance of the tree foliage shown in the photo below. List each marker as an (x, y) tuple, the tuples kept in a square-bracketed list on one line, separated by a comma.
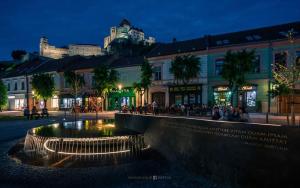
[(184, 68), (3, 94), (18, 54), (143, 85), (105, 79), (146, 75), (43, 86), (76, 81), (236, 66)]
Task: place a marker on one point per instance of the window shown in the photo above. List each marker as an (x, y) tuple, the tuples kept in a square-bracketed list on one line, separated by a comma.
[(256, 64), (157, 73), (280, 58), (219, 66), (55, 102), (8, 86), (298, 58), (177, 99), (16, 86), (23, 86), (93, 81), (67, 85)]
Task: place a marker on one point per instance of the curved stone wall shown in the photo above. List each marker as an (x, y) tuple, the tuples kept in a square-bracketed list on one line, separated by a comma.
[(239, 154)]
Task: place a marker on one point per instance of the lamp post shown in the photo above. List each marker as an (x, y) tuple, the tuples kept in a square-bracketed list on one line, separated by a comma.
[(32, 97), (120, 99)]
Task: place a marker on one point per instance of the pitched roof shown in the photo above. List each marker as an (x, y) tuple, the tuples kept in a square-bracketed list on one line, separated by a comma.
[(271, 33)]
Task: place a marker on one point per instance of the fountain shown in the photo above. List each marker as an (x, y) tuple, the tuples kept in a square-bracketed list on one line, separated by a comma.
[(83, 140)]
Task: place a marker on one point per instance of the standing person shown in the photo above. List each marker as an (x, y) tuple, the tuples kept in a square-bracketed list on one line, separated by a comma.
[(154, 107)]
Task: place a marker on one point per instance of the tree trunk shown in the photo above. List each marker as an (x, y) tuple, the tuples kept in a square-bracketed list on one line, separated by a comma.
[(45, 103)]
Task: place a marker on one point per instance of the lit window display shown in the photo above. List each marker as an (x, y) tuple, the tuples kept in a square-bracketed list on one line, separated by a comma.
[(55, 102), (222, 96), (251, 98)]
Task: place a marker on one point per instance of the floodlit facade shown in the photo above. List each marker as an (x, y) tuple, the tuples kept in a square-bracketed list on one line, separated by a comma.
[(51, 51), (126, 31)]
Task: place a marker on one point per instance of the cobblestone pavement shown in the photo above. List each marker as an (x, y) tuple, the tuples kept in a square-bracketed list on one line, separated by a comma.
[(144, 173)]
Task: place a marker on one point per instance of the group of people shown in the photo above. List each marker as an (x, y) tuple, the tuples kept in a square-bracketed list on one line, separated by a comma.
[(35, 113), (230, 113), (190, 110), (153, 107)]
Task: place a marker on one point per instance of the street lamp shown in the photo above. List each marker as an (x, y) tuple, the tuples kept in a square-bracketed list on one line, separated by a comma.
[(120, 86), (32, 98)]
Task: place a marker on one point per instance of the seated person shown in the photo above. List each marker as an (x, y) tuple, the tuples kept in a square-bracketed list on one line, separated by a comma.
[(45, 112), (27, 113), (216, 114), (34, 112)]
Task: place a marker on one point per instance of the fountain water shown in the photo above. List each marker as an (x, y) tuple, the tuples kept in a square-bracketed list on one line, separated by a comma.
[(87, 140)]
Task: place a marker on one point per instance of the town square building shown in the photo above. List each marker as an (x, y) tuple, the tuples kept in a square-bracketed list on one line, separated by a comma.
[(208, 88)]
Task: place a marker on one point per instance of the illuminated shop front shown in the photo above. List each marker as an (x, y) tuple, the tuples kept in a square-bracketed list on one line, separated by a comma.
[(190, 94), (67, 101), (16, 102), (247, 96), (222, 96), (121, 97)]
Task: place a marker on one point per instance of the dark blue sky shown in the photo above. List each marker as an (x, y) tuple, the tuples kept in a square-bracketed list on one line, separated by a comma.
[(23, 22)]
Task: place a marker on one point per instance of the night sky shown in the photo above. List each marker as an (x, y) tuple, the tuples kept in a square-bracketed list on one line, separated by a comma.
[(23, 22)]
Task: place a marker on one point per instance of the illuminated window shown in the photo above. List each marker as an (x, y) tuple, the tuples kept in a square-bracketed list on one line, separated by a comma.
[(55, 102)]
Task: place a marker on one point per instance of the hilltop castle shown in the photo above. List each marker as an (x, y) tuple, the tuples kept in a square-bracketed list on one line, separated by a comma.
[(124, 31), (48, 50), (127, 31)]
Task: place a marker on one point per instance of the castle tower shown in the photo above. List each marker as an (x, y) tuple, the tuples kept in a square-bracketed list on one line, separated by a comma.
[(43, 45)]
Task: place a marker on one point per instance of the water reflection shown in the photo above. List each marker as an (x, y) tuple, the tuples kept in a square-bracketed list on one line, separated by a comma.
[(86, 128)]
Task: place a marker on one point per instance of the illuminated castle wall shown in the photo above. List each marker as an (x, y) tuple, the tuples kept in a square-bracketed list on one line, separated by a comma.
[(48, 50)]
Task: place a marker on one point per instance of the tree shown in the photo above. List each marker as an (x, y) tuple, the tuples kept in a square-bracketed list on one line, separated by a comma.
[(287, 77), (43, 85), (145, 82), (236, 66), (3, 95), (76, 82), (18, 54), (185, 68), (105, 79)]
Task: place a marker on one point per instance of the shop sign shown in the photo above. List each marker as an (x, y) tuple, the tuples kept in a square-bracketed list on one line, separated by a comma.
[(222, 88), (247, 88)]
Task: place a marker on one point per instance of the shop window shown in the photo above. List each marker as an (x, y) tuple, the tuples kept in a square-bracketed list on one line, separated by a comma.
[(19, 104), (185, 99), (54, 102), (192, 99), (157, 73), (256, 64), (251, 98), (177, 99), (8, 86), (219, 66), (23, 86)]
